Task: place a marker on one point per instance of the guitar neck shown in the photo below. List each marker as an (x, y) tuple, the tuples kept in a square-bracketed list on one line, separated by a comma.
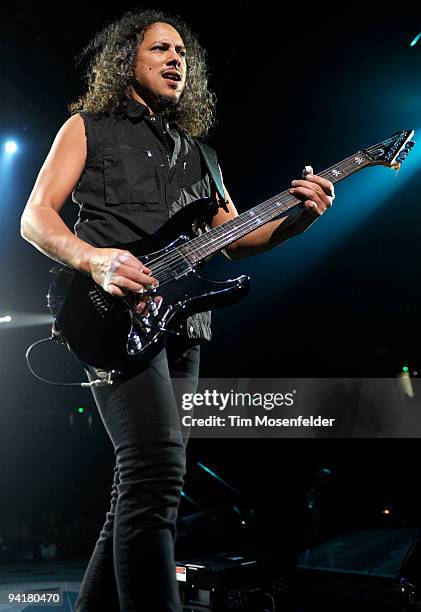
[(221, 236)]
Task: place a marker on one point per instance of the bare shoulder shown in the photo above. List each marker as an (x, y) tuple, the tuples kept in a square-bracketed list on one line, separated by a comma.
[(63, 165), (72, 133)]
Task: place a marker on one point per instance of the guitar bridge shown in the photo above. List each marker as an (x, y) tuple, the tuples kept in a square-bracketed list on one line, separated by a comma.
[(100, 302)]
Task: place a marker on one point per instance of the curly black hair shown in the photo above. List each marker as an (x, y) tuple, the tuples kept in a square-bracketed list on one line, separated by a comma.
[(110, 71)]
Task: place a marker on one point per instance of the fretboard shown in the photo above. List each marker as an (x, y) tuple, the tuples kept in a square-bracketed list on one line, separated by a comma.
[(219, 237)]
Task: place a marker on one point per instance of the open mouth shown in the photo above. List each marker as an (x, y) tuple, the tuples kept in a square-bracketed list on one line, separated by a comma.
[(172, 76)]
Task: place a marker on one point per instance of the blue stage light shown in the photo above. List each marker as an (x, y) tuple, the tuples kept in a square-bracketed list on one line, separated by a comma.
[(416, 39), (206, 469), (10, 147)]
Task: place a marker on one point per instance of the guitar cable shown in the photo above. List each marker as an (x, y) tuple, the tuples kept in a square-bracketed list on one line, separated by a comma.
[(107, 380)]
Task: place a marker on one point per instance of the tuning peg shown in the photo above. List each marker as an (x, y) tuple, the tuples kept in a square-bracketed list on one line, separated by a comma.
[(410, 143)]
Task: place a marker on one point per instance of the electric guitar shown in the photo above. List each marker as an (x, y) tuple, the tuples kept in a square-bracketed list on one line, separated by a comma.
[(106, 332)]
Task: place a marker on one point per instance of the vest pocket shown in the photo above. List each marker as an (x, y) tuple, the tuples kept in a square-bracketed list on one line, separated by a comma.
[(130, 175)]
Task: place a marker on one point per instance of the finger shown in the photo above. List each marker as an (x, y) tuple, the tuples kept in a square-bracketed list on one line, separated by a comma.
[(139, 276), (310, 183), (307, 170), (312, 192), (120, 265), (311, 205), (130, 260), (142, 306), (326, 185), (114, 290), (122, 283), (318, 195), (115, 266), (305, 187)]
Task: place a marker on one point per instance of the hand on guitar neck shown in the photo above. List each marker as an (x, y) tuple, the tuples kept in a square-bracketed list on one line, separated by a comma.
[(317, 195), (316, 192)]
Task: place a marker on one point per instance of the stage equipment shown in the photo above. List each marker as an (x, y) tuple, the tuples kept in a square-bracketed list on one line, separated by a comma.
[(225, 582)]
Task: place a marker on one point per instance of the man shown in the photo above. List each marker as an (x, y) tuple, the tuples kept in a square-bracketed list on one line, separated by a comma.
[(129, 156)]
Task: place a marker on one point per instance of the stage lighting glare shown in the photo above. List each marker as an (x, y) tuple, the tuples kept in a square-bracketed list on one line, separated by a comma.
[(405, 369), (10, 147), (81, 410), (6, 319), (386, 511), (416, 39), (326, 471)]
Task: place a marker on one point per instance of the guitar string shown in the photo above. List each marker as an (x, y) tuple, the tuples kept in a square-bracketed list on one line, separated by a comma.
[(267, 212), (241, 229), (281, 198), (167, 262), (345, 164)]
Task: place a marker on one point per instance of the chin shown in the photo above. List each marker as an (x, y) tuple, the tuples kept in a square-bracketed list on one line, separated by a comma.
[(166, 100)]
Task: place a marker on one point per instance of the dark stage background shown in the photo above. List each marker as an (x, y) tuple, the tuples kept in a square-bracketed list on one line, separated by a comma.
[(296, 86)]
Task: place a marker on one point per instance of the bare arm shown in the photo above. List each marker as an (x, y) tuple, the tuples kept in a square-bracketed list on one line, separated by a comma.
[(41, 223), (115, 270), (317, 195)]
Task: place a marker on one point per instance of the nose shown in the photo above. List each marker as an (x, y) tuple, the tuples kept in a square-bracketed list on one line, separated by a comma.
[(174, 59)]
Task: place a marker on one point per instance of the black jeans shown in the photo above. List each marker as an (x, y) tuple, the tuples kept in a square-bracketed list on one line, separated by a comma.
[(132, 568)]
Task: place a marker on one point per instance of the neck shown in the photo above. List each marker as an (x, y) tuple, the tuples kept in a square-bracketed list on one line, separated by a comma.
[(141, 100)]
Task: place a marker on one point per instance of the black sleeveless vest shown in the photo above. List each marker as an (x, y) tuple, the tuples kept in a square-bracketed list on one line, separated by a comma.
[(139, 172)]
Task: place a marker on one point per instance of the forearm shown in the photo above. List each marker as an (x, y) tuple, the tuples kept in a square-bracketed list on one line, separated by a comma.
[(43, 227)]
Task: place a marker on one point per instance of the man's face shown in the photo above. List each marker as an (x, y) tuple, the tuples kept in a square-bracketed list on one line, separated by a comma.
[(160, 69)]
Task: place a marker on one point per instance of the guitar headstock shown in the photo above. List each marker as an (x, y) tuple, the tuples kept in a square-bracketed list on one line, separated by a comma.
[(392, 151)]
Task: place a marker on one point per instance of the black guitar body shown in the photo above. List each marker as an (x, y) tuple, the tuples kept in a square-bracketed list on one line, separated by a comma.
[(105, 331)]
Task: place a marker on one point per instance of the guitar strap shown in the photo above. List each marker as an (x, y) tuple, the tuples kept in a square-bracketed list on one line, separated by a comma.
[(211, 161)]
